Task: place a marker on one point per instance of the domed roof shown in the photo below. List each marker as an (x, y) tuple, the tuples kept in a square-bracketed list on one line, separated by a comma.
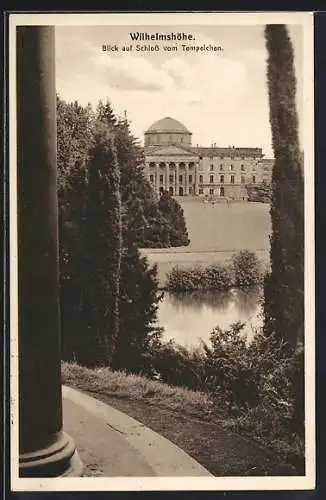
[(167, 125)]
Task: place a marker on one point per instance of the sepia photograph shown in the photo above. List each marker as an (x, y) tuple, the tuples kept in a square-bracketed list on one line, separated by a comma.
[(162, 251)]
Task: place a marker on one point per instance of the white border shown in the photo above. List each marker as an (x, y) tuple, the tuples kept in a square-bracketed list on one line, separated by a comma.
[(186, 483)]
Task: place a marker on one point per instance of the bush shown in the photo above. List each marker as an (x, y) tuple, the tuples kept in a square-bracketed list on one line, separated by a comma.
[(214, 277), (247, 376), (178, 366), (247, 269)]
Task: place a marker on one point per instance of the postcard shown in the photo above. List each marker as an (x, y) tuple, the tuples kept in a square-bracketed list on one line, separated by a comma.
[(162, 251)]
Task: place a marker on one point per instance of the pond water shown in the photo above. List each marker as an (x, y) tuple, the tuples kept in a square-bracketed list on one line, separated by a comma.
[(189, 317)]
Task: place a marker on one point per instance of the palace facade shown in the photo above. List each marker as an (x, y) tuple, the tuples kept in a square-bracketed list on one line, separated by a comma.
[(174, 165)]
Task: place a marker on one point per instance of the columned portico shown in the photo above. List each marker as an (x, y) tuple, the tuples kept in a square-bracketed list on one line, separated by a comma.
[(44, 449)]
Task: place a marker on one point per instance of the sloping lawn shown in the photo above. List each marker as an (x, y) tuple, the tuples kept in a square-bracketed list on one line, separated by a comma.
[(184, 417)]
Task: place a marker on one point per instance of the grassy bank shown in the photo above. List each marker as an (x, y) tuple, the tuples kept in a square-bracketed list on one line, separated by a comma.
[(188, 419)]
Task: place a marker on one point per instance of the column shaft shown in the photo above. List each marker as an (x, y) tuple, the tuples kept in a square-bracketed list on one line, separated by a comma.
[(44, 449), (157, 179), (177, 180)]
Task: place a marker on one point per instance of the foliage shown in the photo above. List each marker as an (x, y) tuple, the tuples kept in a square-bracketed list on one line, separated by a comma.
[(247, 269), (284, 300), (244, 271), (139, 301), (284, 286), (176, 365), (249, 384), (102, 245), (174, 215), (247, 375), (74, 134), (259, 192), (109, 294)]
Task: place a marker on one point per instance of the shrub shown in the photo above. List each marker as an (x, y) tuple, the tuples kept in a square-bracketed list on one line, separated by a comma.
[(255, 375), (218, 277), (247, 269), (178, 366), (214, 277)]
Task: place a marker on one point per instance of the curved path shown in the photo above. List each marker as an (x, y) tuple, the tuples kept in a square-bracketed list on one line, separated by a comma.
[(112, 444)]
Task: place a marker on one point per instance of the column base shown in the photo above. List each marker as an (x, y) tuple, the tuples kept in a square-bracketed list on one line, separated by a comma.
[(58, 459)]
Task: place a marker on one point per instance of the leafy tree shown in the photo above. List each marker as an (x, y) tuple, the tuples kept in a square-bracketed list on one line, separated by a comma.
[(284, 286), (74, 132)]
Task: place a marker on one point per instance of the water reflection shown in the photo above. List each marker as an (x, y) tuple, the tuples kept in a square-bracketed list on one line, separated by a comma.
[(189, 317)]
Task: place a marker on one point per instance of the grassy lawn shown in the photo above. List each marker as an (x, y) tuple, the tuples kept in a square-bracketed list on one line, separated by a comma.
[(216, 232), (184, 417)]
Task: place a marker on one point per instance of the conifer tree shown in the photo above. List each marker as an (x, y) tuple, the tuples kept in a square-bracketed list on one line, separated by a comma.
[(103, 240), (284, 297), (284, 286)]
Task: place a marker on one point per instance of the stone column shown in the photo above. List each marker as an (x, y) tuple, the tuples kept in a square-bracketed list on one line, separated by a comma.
[(186, 179), (157, 178), (44, 449), (177, 179), (195, 180), (167, 176)]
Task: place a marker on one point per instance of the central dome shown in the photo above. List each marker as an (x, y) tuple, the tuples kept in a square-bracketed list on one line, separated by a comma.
[(167, 131), (169, 125)]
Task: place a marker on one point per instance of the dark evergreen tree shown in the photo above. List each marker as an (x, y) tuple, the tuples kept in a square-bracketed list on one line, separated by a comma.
[(103, 246), (284, 287), (174, 215)]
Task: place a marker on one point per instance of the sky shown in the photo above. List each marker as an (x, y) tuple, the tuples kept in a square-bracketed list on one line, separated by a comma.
[(221, 97)]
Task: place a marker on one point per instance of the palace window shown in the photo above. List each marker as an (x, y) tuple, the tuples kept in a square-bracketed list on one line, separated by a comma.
[(211, 179), (221, 166), (222, 179), (232, 179), (201, 179), (201, 191), (190, 178), (151, 178), (180, 178), (212, 167), (243, 179), (191, 164), (211, 191), (161, 178), (171, 177), (254, 179), (242, 167), (231, 167)]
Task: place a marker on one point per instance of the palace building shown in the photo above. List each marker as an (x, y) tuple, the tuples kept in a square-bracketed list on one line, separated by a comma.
[(173, 164)]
